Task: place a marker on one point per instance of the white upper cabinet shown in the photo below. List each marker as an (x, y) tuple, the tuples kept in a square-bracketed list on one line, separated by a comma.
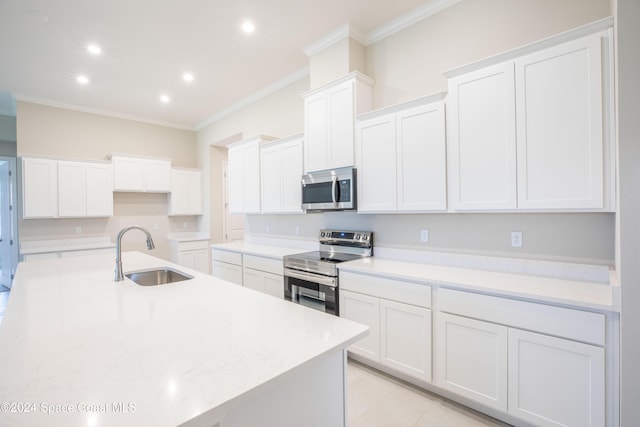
[(560, 126), (401, 158), (532, 131), (39, 188), (186, 192), (66, 189), (137, 174), (244, 175), (482, 139), (330, 112), (281, 170)]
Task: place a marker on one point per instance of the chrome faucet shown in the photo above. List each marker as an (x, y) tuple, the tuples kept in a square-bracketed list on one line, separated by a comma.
[(150, 245)]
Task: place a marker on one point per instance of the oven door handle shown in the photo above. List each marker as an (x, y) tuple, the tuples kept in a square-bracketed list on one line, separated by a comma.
[(322, 280)]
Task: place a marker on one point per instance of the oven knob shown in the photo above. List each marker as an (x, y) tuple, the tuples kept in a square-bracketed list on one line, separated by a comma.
[(357, 237), (322, 234), (365, 237)]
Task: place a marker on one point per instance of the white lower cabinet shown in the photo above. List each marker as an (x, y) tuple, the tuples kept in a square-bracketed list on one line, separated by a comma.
[(227, 265), (471, 359), (399, 321), (193, 254), (552, 377), (555, 382), (264, 275)]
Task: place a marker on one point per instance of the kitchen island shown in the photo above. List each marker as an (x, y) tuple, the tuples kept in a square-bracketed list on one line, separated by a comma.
[(81, 349)]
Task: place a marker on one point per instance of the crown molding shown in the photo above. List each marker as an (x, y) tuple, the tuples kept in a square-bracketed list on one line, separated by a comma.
[(73, 107), (344, 31), (300, 74), (408, 19)]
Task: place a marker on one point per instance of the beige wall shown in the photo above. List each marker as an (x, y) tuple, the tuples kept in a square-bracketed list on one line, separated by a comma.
[(409, 64), (55, 131), (51, 131)]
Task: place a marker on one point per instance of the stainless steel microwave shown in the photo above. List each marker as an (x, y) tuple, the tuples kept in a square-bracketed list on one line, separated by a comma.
[(329, 190)]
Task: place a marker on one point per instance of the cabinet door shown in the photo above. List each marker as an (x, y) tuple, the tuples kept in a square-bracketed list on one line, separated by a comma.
[(128, 174), (291, 175), (316, 132), (252, 279), (225, 271), (179, 192), (560, 126), (201, 260), (471, 359), (555, 382), (366, 310), (99, 186), (236, 180), (187, 259), (405, 338), (481, 139), (194, 192), (376, 148), (421, 159), (272, 175), (340, 101), (273, 285), (252, 178), (158, 176), (72, 189), (40, 188)]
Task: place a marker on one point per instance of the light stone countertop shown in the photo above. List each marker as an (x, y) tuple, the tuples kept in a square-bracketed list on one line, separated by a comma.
[(74, 338), (573, 293), (267, 251)]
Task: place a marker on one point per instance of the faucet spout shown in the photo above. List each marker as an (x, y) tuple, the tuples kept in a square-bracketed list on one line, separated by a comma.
[(119, 275)]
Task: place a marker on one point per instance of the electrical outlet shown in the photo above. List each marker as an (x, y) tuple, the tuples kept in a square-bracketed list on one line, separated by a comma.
[(268, 229), (185, 225), (156, 226), (78, 230), (424, 235), (516, 239), (297, 230)]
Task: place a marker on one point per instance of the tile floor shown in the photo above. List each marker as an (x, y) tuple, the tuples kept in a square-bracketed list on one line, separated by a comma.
[(378, 400)]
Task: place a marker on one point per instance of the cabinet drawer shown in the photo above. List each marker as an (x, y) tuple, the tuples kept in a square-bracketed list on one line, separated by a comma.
[(395, 290), (193, 246), (226, 256), (269, 265), (563, 322)]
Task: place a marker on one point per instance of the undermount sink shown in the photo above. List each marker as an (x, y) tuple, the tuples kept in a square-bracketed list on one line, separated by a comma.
[(157, 276)]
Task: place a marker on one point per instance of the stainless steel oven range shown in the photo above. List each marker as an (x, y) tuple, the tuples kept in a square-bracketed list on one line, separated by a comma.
[(311, 278)]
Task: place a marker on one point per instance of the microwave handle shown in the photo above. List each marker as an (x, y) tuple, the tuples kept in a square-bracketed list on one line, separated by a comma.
[(334, 186)]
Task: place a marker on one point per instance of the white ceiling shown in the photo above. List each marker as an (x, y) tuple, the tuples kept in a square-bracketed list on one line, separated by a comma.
[(148, 45)]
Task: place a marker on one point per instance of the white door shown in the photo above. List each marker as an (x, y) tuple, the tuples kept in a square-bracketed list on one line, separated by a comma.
[(291, 175), (471, 359), (366, 310), (99, 187), (405, 338), (8, 222), (316, 133), (341, 117), (560, 126), (271, 179), (556, 382), (40, 188), (481, 143), (72, 190)]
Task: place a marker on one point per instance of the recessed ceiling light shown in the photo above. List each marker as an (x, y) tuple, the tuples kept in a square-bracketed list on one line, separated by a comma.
[(248, 27), (36, 15), (94, 49), (82, 79), (165, 99), (187, 77)]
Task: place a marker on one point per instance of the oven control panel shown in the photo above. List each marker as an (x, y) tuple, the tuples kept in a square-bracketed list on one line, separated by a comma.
[(348, 238)]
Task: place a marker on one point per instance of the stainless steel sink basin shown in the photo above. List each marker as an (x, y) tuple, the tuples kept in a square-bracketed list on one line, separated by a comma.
[(157, 276)]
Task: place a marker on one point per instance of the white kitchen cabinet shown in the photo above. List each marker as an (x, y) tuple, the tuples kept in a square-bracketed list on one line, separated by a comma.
[(533, 131), (366, 310), (137, 174), (39, 188), (186, 192), (399, 319), (66, 189), (281, 170), (401, 158), (471, 359), (84, 189), (244, 175), (193, 254), (227, 265), (556, 382), (540, 363), (481, 139), (264, 275), (560, 138), (330, 112)]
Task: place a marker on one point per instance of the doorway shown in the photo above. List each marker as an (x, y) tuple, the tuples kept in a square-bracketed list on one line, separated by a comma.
[(8, 222)]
